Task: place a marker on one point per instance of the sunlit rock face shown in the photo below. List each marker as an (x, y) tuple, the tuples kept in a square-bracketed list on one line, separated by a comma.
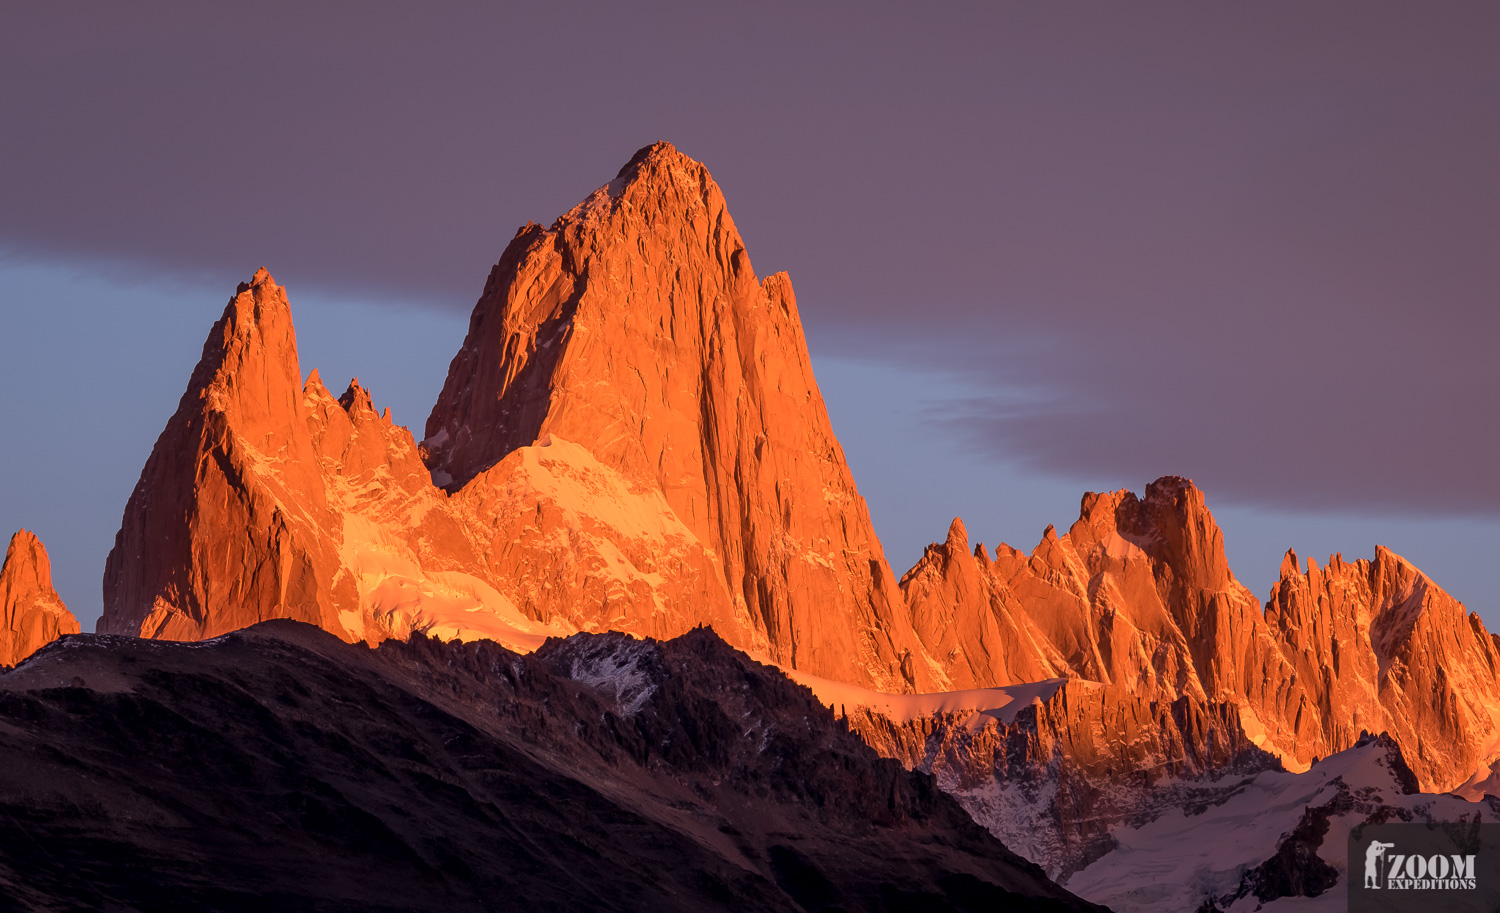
[(1385, 649), (636, 329), (630, 439), (31, 613), (265, 497), (1137, 596), (1166, 681), (225, 527)]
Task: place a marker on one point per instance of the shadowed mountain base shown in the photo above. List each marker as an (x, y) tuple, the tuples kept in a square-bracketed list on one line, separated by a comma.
[(281, 768)]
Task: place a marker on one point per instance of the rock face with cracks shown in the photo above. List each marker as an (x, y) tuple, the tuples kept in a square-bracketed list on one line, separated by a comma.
[(635, 327), (1381, 647), (265, 497)]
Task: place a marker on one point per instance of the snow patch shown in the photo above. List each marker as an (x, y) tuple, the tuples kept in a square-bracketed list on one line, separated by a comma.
[(621, 669), (983, 704), (398, 596)]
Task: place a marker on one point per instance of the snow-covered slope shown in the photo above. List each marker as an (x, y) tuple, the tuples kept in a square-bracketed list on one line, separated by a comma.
[(1276, 841)]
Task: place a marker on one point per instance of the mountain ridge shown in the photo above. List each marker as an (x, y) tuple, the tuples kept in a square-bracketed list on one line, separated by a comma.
[(228, 774), (1138, 594)]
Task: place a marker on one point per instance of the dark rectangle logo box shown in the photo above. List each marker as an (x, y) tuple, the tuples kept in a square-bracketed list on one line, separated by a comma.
[(1425, 868)]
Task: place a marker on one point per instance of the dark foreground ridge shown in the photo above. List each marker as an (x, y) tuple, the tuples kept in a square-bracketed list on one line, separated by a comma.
[(280, 768)]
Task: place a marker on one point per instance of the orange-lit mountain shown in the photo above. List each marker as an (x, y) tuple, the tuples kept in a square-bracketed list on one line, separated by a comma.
[(1138, 595), (1381, 647), (1166, 674), (636, 329), (31, 613), (265, 497), (631, 439)]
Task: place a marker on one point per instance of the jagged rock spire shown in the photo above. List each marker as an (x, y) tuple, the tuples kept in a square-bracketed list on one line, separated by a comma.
[(31, 613), (635, 327)]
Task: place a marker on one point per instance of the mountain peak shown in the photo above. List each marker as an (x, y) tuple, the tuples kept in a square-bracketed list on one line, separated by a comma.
[(262, 278), (660, 192), (356, 399), (1175, 513), (636, 328), (1172, 488), (31, 612), (1387, 556), (660, 151), (26, 562), (631, 437), (210, 541), (958, 536)]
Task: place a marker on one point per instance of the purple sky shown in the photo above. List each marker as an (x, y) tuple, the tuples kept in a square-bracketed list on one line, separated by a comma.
[(1066, 246)]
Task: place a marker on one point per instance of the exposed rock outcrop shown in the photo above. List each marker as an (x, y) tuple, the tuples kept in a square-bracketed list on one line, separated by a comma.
[(1137, 594), (227, 525), (971, 623), (1055, 779), (31, 613)]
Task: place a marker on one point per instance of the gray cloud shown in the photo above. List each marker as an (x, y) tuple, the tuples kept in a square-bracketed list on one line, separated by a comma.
[(1252, 245)]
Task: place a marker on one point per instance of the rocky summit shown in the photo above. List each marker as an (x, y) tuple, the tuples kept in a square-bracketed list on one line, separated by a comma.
[(1138, 596), (267, 497), (635, 327), (31, 612), (629, 439)]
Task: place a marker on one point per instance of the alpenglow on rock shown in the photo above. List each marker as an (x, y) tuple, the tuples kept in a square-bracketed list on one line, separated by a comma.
[(1150, 672), (1138, 596), (266, 498), (630, 439), (636, 328), (32, 615)]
